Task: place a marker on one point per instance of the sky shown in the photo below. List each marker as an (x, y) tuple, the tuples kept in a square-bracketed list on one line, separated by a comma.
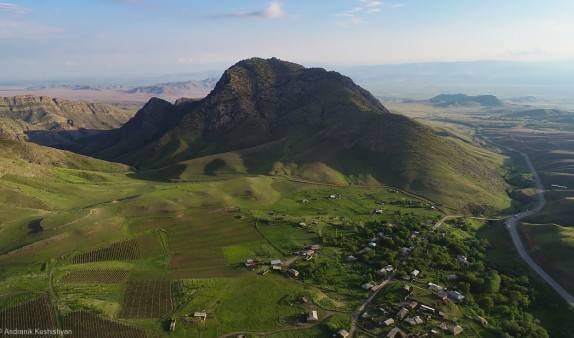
[(56, 39)]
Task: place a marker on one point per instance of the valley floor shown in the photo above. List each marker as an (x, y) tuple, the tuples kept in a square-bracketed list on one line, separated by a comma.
[(97, 251)]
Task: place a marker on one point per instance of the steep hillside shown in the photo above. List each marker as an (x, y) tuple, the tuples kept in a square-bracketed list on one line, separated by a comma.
[(31, 160), (28, 116), (281, 118)]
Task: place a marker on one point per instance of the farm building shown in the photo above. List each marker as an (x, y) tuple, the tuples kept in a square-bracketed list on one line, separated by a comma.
[(276, 262)]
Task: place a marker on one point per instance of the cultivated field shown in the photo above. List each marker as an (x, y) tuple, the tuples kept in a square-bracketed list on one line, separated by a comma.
[(89, 325), (147, 299), (31, 314), (96, 276)]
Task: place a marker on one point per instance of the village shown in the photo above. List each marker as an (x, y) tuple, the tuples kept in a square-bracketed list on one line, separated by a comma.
[(401, 269), (407, 314)]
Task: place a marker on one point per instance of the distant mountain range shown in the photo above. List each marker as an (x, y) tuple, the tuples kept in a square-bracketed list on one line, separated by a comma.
[(546, 80), (30, 117), (279, 118), (114, 93), (177, 89), (445, 100)]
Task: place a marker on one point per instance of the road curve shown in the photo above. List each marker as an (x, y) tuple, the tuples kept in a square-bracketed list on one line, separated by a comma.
[(512, 225)]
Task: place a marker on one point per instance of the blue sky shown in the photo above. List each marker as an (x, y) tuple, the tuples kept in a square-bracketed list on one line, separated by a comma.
[(42, 39)]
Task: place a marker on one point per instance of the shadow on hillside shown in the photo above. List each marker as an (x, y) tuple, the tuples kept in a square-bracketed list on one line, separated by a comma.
[(72, 140)]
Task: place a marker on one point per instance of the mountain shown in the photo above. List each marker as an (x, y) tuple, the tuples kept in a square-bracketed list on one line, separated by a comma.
[(39, 117), (445, 100), (276, 117), (198, 88)]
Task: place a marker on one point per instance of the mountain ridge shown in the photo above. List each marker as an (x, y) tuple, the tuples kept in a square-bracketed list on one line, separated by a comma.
[(280, 118)]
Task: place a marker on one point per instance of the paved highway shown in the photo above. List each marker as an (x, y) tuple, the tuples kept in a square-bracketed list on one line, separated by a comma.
[(512, 225)]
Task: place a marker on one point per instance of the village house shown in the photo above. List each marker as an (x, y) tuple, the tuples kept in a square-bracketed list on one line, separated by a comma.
[(443, 296), (250, 264), (435, 287), (482, 321), (372, 244), (396, 332), (276, 262), (200, 315), (293, 273), (343, 333), (315, 247), (379, 211), (462, 259), (389, 322), (413, 305), (368, 286), (407, 288), (402, 313), (303, 224), (386, 270), (415, 273), (332, 197), (456, 296), (404, 251), (313, 316), (417, 320), (455, 330)]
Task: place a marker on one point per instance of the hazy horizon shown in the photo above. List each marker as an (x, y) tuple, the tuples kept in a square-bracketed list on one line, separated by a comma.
[(46, 40)]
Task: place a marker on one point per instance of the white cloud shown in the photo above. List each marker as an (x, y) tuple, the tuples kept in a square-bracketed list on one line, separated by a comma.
[(10, 8), (273, 11), (357, 14)]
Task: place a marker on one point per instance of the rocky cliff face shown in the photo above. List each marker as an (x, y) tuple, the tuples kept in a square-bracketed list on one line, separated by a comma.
[(41, 118), (20, 114)]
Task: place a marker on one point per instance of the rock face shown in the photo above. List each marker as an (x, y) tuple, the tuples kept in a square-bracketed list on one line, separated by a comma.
[(281, 118)]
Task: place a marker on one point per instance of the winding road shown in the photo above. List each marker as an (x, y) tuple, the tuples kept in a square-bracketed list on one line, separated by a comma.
[(512, 225)]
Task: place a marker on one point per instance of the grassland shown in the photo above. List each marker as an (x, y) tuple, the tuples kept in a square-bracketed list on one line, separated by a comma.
[(87, 236)]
